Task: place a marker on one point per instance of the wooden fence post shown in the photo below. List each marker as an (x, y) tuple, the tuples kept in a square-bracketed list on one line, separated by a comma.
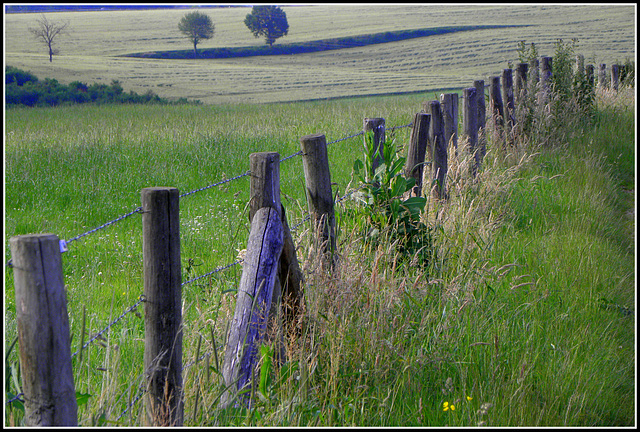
[(509, 106), (414, 165), (264, 183), (163, 306), (602, 76), (449, 106), (317, 177), (521, 83), (264, 191), (497, 108), (579, 65), (255, 293), (378, 128), (437, 148), (546, 67), (590, 69), (482, 117), (615, 75), (470, 124), (43, 331)]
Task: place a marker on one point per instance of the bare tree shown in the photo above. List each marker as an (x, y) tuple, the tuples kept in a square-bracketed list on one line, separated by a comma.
[(47, 31)]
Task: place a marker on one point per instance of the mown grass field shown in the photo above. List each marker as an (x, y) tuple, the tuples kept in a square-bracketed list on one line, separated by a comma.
[(91, 52), (527, 318)]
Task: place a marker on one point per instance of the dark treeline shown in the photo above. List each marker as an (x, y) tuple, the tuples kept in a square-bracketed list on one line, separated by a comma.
[(24, 88)]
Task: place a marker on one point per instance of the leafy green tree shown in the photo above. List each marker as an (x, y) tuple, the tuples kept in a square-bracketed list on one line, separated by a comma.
[(47, 32), (196, 26), (267, 21)]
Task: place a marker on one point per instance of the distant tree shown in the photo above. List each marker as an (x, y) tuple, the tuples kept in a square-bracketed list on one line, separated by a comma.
[(268, 21), (196, 26), (47, 32)]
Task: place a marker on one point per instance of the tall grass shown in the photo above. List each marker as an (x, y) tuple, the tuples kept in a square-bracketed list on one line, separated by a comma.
[(524, 317)]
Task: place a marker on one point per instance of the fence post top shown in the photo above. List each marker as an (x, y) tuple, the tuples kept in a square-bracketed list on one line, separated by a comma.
[(34, 237), (160, 188), (265, 154), (312, 137)]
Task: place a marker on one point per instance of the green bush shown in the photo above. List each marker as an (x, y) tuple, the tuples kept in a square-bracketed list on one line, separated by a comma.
[(17, 76), (386, 209), (24, 88)]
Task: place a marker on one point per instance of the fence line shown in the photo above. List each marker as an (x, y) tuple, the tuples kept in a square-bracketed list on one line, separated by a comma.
[(176, 408)]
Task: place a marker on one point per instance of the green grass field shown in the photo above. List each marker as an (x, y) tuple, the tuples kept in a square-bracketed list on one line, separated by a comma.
[(92, 51), (526, 317)]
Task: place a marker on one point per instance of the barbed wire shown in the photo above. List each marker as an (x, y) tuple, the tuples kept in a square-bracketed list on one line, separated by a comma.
[(64, 247), (216, 184), (135, 400), (15, 398), (98, 335), (219, 269)]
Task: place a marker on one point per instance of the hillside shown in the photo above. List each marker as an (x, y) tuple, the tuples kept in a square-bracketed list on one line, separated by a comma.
[(93, 49)]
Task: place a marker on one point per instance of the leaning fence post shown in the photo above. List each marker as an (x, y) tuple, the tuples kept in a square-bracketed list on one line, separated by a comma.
[(437, 148), (470, 124), (264, 191), (317, 177), (163, 306), (378, 128), (255, 293), (43, 331), (414, 165)]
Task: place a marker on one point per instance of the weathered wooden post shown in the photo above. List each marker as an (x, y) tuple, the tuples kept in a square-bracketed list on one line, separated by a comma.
[(163, 306), (579, 65), (509, 108), (545, 80), (264, 182), (414, 165), (497, 108), (602, 76), (449, 106), (378, 128), (590, 69), (43, 331), (482, 117), (470, 124), (615, 75), (317, 176), (521, 83), (264, 191), (534, 74), (255, 293), (437, 148)]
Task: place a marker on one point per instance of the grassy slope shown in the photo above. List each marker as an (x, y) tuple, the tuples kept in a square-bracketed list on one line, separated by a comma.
[(90, 52)]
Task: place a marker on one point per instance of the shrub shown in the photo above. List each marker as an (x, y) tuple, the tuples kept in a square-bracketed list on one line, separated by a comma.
[(20, 77), (386, 208), (24, 88)]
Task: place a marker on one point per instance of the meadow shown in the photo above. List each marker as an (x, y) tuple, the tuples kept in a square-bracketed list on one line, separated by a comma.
[(525, 318), (93, 49)]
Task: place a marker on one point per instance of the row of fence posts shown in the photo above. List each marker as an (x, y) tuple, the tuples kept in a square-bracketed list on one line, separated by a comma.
[(270, 295)]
